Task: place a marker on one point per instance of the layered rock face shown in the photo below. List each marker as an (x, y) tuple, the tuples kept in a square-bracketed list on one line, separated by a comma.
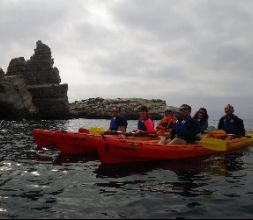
[(43, 80), (39, 69), (42, 83), (15, 100), (99, 108)]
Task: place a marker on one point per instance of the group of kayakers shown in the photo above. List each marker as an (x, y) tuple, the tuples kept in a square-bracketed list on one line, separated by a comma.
[(184, 129)]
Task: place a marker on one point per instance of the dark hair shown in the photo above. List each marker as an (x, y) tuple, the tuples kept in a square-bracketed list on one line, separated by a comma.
[(143, 109), (206, 114)]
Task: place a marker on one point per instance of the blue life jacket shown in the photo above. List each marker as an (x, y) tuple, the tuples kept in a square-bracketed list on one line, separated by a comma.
[(114, 126), (182, 128), (141, 125)]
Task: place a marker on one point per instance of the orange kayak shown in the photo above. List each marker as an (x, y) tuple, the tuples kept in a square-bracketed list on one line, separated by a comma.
[(125, 151)]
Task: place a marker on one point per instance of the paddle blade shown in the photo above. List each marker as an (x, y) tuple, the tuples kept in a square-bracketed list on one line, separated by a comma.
[(213, 144), (96, 131)]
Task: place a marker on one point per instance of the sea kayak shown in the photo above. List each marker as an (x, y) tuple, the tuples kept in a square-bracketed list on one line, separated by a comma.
[(125, 151), (72, 143), (46, 138), (75, 143)]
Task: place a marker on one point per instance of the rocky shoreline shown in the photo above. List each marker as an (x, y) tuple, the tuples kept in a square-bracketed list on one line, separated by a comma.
[(32, 89)]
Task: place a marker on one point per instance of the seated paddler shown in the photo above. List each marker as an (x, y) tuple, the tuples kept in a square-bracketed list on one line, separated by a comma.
[(231, 123), (118, 123), (145, 124), (187, 128)]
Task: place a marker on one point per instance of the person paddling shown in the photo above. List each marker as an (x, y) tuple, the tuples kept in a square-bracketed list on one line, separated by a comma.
[(145, 123), (187, 128), (202, 117), (231, 123), (167, 123), (118, 123)]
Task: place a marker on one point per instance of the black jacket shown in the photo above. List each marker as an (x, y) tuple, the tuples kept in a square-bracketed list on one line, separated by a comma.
[(232, 125)]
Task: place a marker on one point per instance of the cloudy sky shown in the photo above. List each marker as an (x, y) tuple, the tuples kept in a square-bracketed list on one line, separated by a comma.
[(184, 51)]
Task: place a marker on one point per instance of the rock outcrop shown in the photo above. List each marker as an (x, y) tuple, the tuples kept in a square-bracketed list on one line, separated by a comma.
[(39, 69), (42, 94), (98, 108), (15, 100), (43, 80)]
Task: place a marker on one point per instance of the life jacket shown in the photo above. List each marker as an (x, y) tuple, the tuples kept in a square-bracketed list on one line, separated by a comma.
[(142, 124), (168, 121), (182, 127), (114, 126)]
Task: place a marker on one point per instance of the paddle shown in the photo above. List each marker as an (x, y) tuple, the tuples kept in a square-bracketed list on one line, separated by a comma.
[(92, 131), (213, 144)]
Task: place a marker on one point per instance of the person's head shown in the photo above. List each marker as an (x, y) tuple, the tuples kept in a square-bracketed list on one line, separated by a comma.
[(202, 114), (143, 112), (229, 110), (185, 110), (168, 112), (116, 111)]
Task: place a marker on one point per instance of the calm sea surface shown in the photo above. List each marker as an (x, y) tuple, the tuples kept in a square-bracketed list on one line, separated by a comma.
[(43, 184)]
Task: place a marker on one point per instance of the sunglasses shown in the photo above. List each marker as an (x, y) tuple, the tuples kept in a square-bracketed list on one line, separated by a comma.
[(184, 109)]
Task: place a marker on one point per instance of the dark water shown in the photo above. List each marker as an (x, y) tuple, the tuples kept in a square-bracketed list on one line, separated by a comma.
[(42, 184)]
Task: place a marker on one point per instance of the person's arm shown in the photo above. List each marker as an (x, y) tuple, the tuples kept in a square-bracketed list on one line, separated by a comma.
[(220, 126), (240, 127)]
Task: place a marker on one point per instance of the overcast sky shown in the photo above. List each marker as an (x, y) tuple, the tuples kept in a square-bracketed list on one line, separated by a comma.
[(184, 51)]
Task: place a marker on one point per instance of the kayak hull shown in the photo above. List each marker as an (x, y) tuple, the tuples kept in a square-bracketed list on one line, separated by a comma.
[(45, 138), (125, 151), (78, 144), (74, 143)]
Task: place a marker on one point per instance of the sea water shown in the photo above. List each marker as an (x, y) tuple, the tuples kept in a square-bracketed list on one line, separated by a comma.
[(43, 184)]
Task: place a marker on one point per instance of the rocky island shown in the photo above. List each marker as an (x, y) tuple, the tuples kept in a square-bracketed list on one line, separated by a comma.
[(32, 89), (100, 108)]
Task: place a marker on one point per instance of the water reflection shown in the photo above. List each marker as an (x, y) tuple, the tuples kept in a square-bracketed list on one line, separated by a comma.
[(192, 176)]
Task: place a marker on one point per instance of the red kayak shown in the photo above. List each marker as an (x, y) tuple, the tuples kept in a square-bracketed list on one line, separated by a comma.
[(78, 143), (74, 143), (124, 151), (46, 138)]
